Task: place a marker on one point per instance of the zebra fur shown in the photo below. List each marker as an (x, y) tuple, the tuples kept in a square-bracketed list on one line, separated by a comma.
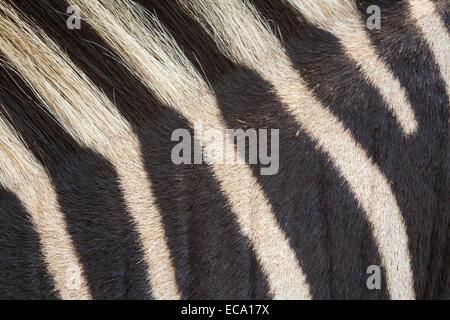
[(89, 189)]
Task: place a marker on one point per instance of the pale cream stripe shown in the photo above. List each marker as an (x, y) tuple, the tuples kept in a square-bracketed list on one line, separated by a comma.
[(436, 34), (95, 122), (154, 56), (241, 34), (23, 175), (126, 157), (344, 21)]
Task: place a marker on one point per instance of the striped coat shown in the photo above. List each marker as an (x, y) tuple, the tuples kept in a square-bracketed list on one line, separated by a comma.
[(92, 205)]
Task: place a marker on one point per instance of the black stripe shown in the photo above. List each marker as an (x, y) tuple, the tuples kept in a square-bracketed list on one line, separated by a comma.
[(23, 274), (423, 195), (98, 222), (212, 258)]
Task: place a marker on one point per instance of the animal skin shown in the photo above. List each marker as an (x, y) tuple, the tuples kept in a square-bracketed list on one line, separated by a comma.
[(92, 206)]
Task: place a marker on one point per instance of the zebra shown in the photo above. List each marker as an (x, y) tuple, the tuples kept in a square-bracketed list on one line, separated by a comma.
[(92, 205)]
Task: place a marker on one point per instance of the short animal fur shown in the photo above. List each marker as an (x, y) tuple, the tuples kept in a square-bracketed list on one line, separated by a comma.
[(93, 207)]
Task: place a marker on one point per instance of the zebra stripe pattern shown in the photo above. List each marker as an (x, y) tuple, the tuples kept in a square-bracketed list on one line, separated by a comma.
[(93, 207)]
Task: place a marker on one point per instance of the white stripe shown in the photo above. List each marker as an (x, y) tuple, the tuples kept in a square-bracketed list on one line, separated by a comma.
[(344, 21), (23, 175), (435, 33)]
